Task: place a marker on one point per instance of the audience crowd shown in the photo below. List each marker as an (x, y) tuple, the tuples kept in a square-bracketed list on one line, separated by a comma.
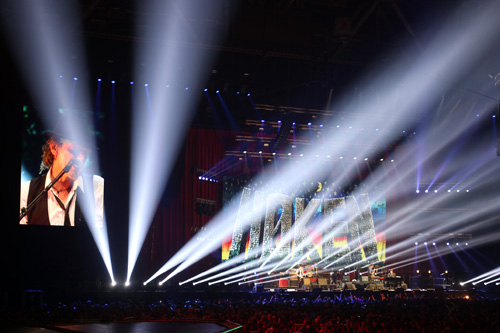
[(376, 312)]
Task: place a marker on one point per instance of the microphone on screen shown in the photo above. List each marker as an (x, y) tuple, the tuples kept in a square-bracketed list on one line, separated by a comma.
[(77, 163)]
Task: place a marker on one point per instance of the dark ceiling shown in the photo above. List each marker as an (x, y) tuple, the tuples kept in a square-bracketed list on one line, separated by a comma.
[(271, 47), (285, 52), (274, 48)]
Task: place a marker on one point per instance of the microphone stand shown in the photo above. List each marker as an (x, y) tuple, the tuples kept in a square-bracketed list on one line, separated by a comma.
[(497, 120), (27, 209)]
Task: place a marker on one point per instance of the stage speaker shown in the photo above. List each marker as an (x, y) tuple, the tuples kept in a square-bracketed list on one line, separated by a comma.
[(364, 278), (258, 288), (346, 278)]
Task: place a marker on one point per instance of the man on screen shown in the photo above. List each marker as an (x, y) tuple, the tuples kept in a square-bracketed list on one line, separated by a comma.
[(61, 205)]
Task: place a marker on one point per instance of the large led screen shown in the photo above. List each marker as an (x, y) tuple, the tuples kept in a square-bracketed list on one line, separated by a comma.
[(312, 224)]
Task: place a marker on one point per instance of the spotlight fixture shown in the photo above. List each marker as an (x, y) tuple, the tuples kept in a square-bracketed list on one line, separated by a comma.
[(416, 243), (447, 243), (417, 191), (434, 243)]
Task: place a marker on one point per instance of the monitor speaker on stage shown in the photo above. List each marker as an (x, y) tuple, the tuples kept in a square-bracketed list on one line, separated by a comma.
[(346, 278), (364, 278), (350, 286)]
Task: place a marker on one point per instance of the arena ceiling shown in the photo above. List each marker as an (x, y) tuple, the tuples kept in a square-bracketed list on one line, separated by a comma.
[(295, 53)]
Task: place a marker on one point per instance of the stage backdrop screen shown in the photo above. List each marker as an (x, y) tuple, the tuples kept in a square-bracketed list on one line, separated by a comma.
[(311, 224)]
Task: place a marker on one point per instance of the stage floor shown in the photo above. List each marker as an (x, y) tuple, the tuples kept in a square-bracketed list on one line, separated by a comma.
[(147, 327), (129, 327)]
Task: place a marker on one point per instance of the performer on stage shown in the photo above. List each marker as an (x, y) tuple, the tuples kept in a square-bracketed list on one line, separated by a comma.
[(357, 274), (391, 274), (371, 271), (300, 275), (60, 205), (300, 271)]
